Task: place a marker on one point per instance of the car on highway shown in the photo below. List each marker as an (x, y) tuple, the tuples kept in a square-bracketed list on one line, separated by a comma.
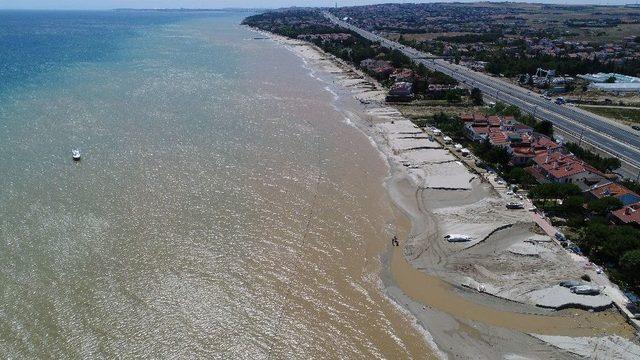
[(635, 127)]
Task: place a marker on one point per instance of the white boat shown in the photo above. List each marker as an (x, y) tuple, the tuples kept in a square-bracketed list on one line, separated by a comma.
[(457, 238), (75, 154)]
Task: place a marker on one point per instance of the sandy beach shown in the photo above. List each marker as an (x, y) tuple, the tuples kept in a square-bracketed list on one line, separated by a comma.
[(495, 296)]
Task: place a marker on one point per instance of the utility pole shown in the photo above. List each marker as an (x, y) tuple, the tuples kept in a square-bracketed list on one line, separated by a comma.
[(581, 133)]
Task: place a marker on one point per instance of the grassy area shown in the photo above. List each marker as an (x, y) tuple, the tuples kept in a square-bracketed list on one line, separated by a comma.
[(628, 116)]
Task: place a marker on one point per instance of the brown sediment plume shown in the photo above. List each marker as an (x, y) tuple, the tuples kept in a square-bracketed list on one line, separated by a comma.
[(435, 293)]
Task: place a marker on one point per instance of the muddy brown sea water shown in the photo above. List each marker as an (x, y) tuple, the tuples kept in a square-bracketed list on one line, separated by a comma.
[(223, 208)]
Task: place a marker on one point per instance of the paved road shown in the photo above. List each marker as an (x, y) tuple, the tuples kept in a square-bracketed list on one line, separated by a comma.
[(617, 141)]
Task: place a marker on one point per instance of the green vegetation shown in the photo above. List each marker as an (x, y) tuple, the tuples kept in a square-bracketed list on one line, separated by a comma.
[(549, 196), (544, 127), (500, 62), (452, 126), (632, 185), (517, 175), (453, 97), (283, 23), (628, 115), (476, 97), (470, 38), (602, 206), (495, 156), (604, 164), (618, 247)]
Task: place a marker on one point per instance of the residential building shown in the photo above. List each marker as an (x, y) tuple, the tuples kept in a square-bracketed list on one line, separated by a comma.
[(628, 215), (557, 167)]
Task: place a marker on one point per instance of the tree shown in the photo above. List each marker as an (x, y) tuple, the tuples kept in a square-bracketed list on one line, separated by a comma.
[(422, 70), (573, 205), (604, 164), (611, 80), (476, 96), (541, 193), (630, 184), (630, 264), (512, 110), (544, 127), (494, 155), (604, 205), (453, 97), (518, 175)]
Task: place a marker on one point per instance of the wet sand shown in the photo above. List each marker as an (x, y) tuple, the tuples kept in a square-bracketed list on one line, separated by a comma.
[(459, 322)]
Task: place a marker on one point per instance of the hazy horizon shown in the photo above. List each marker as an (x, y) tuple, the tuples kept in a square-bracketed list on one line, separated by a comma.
[(213, 4)]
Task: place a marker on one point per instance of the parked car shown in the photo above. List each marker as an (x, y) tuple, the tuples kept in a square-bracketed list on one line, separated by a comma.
[(636, 127), (560, 237), (515, 205), (634, 310), (575, 249)]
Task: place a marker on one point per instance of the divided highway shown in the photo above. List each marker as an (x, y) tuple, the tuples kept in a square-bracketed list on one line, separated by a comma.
[(615, 140)]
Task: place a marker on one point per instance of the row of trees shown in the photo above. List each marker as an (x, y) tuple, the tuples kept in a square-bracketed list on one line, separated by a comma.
[(602, 163), (509, 65)]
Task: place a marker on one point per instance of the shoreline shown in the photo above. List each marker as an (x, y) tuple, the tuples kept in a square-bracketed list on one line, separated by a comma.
[(425, 260)]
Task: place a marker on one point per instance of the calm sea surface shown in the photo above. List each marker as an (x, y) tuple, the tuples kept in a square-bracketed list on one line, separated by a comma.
[(223, 207)]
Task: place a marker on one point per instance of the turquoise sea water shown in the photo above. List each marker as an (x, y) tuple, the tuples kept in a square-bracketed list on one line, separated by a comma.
[(223, 207)]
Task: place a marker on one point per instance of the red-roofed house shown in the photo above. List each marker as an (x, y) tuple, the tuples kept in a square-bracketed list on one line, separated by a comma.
[(498, 138), (610, 189), (629, 215), (530, 146), (494, 121), (565, 168), (479, 118), (466, 118), (618, 191)]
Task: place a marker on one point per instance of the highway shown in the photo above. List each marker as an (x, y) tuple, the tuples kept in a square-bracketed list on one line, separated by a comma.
[(615, 140)]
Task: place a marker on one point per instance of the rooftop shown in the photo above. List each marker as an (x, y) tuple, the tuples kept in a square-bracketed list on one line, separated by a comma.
[(559, 165), (610, 189), (628, 214)]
